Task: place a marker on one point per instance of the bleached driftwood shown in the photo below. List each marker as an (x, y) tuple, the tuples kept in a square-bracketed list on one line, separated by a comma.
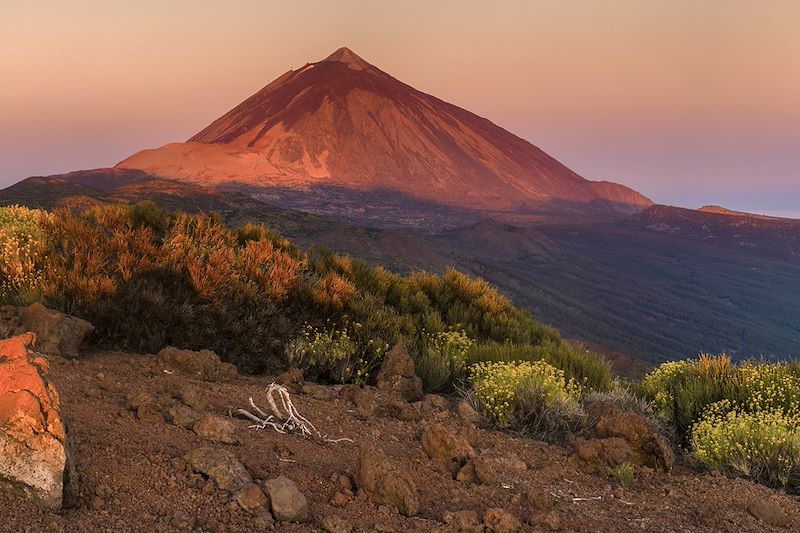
[(284, 418)]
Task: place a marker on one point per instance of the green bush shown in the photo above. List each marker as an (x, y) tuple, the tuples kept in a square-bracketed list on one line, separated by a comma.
[(552, 418), (589, 369), (681, 391), (440, 360), (764, 446), (741, 419), (623, 474), (498, 386)]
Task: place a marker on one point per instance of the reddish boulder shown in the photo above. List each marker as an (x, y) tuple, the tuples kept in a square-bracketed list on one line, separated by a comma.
[(384, 483), (220, 465), (216, 429), (649, 446), (34, 457), (598, 455), (204, 365), (447, 451), (397, 376), (56, 333)]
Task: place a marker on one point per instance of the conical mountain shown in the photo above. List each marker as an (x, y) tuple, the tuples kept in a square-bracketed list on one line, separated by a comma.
[(344, 123)]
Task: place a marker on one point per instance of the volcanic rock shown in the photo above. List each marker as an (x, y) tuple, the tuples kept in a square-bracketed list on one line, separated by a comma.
[(769, 512), (34, 457), (216, 429), (56, 333), (220, 465), (499, 520), (650, 447), (252, 499), (397, 376), (204, 365), (287, 502), (384, 483), (445, 449)]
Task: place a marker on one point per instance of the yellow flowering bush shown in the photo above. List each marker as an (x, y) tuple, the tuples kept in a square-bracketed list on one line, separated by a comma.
[(442, 358), (497, 386), (743, 420), (22, 250), (763, 445), (770, 387), (658, 383), (333, 354)]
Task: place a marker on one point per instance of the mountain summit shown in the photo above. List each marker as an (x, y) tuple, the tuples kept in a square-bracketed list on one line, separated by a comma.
[(347, 56), (344, 124)]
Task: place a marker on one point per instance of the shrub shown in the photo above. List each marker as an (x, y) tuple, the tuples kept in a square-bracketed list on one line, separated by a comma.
[(658, 385), (440, 361), (680, 392), (146, 278), (623, 474), (769, 387), (333, 355), (497, 387), (22, 253), (621, 397), (539, 414), (764, 446), (589, 369)]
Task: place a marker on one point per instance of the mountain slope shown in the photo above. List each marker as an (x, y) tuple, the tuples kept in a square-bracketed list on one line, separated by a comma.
[(344, 123)]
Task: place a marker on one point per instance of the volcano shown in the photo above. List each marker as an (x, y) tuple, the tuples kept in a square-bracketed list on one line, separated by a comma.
[(345, 125)]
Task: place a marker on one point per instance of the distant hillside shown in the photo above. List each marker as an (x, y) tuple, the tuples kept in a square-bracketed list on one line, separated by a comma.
[(634, 286), (758, 234)]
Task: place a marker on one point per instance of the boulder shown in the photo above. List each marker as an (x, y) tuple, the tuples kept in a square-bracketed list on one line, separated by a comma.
[(384, 483), (535, 500), (204, 365), (433, 403), (192, 396), (287, 502), (182, 416), (56, 333), (467, 413), (649, 446), (34, 456), (320, 392), (252, 499), (397, 408), (601, 454), (397, 376), (447, 450), (220, 465), (769, 512), (292, 379), (364, 399), (477, 471), (499, 520), (464, 522), (147, 408), (548, 521), (216, 429)]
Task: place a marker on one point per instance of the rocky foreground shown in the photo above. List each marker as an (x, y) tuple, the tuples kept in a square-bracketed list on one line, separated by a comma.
[(156, 443)]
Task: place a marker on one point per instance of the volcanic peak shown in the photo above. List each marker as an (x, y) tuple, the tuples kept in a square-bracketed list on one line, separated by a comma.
[(348, 57)]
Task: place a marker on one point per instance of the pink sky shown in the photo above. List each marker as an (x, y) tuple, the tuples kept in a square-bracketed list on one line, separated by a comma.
[(690, 102)]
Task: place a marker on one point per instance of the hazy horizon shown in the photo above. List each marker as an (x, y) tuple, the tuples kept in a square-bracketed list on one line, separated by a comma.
[(690, 104)]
